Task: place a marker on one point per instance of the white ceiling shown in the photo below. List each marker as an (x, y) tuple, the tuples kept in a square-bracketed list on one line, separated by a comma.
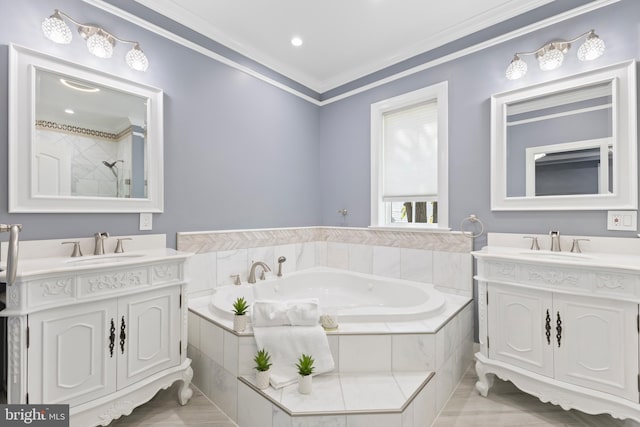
[(343, 39)]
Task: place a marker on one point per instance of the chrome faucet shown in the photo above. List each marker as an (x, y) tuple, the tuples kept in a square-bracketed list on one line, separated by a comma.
[(252, 271), (100, 238), (555, 241)]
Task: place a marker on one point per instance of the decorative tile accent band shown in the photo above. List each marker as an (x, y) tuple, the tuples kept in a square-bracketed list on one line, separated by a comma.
[(76, 130), (211, 241)]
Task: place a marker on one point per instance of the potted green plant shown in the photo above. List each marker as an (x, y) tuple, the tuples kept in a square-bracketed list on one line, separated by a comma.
[(240, 318), (305, 369), (263, 363)]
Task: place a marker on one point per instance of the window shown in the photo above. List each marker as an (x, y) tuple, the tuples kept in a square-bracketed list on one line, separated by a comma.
[(409, 174)]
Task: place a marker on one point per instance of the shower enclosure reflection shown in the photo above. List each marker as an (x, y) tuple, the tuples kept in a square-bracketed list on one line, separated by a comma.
[(82, 127)]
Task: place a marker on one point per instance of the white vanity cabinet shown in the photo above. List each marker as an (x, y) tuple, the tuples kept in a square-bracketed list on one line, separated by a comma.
[(586, 341), (103, 337), (562, 327)]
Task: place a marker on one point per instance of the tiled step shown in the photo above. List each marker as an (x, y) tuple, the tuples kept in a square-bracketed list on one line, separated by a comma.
[(394, 398)]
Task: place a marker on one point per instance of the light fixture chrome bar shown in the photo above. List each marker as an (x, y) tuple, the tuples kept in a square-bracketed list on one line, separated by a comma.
[(551, 55), (100, 42), (557, 43)]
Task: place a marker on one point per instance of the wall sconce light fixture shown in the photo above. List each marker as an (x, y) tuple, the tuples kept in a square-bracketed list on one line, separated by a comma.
[(99, 41), (551, 55)]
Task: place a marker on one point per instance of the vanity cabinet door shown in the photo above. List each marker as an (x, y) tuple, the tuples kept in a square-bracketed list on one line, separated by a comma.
[(69, 354), (517, 328), (599, 344), (148, 334)]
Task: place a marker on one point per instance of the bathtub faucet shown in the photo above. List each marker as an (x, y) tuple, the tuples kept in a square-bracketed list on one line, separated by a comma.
[(280, 261), (252, 272)]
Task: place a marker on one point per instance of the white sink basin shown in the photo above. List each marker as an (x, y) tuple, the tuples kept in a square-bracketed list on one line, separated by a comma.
[(556, 255), (102, 259)]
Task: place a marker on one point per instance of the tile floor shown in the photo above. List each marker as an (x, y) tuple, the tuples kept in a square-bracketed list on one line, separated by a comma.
[(505, 406)]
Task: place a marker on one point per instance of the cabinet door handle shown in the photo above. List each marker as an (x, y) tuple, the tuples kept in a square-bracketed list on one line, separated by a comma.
[(123, 334), (559, 329), (112, 337), (547, 327)]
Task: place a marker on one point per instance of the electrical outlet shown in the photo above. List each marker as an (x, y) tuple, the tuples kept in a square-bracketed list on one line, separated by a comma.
[(146, 220), (622, 220)]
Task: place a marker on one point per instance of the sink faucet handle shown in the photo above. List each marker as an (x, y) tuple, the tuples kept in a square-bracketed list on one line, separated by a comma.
[(575, 247), (119, 246), (236, 279), (534, 242), (76, 249)]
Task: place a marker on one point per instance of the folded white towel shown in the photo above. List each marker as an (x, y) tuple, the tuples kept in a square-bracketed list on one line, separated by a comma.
[(285, 344), (302, 312)]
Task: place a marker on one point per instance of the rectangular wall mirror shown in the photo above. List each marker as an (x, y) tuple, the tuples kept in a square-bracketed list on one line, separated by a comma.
[(568, 144), (81, 140)]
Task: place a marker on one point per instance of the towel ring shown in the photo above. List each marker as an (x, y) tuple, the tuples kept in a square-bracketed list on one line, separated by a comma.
[(472, 219)]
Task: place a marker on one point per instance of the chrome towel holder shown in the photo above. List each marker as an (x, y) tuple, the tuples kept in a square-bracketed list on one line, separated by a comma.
[(472, 219)]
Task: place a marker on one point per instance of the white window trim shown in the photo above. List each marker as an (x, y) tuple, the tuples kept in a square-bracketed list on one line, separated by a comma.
[(440, 93)]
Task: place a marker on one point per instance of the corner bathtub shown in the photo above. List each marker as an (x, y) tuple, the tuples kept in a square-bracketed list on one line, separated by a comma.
[(355, 297)]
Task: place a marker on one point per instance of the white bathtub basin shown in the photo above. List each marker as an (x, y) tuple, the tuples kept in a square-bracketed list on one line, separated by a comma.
[(354, 297)]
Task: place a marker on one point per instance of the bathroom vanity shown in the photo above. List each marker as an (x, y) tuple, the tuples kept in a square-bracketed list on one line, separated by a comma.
[(100, 333), (561, 326)]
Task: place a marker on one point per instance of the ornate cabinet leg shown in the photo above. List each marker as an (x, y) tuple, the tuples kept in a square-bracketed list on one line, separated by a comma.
[(185, 392), (485, 379)]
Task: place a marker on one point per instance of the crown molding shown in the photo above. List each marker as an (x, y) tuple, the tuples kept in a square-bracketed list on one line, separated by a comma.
[(101, 4)]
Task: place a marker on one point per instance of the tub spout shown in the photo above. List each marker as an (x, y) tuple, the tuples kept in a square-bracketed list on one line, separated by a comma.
[(252, 271)]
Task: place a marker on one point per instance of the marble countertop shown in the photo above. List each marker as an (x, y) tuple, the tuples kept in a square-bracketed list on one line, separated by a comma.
[(32, 267), (591, 259)]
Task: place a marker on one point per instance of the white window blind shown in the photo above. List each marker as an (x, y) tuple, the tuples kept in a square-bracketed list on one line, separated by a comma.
[(410, 153)]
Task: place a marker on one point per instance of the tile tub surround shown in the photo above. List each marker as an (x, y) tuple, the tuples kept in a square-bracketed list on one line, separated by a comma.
[(379, 399), (440, 258), (442, 345)]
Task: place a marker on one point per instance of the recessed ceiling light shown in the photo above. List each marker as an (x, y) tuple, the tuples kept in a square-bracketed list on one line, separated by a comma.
[(69, 111), (296, 41)]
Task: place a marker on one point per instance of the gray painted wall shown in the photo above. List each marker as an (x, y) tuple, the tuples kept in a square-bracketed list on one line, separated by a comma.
[(240, 153), (345, 161)]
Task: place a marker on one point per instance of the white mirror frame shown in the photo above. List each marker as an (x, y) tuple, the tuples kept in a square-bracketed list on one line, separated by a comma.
[(625, 175), (23, 64)]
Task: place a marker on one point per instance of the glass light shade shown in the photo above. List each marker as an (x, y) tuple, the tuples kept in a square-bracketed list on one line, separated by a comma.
[(136, 59), (56, 30), (551, 59), (591, 49), (100, 46), (516, 69)]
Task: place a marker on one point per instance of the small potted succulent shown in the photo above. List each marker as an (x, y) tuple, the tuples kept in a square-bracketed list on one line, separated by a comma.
[(263, 363), (305, 369), (240, 319)]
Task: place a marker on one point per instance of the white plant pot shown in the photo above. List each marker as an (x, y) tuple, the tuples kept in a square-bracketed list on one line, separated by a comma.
[(304, 384), (262, 379), (240, 322)]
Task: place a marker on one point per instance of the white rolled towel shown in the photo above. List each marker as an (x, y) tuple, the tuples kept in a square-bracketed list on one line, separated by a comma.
[(300, 312), (269, 313)]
